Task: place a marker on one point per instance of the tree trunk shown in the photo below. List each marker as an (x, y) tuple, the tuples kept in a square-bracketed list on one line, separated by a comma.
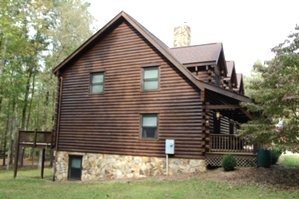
[(44, 127), (30, 71), (3, 60), (5, 138), (30, 104), (12, 135)]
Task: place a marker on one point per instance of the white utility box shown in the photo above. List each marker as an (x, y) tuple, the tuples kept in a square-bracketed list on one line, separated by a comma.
[(169, 146)]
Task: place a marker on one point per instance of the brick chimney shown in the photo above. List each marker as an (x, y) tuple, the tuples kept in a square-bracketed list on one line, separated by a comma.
[(182, 35)]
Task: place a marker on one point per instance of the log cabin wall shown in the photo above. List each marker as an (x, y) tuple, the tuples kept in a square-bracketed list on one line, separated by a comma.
[(224, 125), (205, 73), (109, 123), (212, 121)]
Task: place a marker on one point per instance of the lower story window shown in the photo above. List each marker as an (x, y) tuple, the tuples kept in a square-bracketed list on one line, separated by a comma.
[(149, 126), (75, 167)]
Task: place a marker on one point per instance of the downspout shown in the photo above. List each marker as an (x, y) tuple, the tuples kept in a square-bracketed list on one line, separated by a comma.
[(57, 127)]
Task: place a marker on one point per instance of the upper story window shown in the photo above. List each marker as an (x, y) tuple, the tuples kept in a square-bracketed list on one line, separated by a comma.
[(149, 126), (150, 79), (96, 83)]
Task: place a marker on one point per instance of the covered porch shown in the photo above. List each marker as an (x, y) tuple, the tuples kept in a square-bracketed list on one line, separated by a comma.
[(221, 144), (224, 115)]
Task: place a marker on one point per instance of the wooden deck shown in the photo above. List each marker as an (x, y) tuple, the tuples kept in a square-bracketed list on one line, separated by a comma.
[(34, 139), (221, 144)]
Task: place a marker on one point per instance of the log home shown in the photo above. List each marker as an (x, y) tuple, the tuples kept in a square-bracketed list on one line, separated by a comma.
[(123, 94)]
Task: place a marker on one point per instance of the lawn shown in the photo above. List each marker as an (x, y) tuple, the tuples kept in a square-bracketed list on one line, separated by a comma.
[(28, 185), (291, 161)]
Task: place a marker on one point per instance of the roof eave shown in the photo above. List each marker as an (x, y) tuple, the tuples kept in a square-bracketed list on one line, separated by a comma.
[(167, 54), (227, 93)]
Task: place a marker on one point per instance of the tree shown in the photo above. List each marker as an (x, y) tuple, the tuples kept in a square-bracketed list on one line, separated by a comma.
[(35, 36), (276, 97)]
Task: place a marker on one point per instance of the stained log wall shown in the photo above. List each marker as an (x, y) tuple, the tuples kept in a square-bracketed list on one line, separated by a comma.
[(109, 123)]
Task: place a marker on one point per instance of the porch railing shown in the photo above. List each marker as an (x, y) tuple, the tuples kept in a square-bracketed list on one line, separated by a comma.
[(230, 143)]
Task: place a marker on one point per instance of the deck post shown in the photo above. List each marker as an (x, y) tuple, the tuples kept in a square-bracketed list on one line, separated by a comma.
[(34, 139), (17, 154), (43, 164)]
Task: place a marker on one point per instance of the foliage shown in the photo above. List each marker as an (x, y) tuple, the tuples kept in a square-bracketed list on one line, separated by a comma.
[(35, 35), (26, 186), (229, 162), (275, 91), (275, 154)]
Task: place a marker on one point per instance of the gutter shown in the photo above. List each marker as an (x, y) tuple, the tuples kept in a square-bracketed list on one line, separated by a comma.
[(57, 127)]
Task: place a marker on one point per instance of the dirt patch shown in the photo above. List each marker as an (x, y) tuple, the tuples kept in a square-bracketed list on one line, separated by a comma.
[(276, 177)]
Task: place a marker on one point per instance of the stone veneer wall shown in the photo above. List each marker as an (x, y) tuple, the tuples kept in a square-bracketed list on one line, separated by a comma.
[(103, 166)]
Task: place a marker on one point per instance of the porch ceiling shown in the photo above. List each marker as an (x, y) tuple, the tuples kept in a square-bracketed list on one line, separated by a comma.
[(227, 106)]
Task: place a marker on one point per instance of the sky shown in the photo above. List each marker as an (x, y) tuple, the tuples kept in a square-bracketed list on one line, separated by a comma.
[(247, 29)]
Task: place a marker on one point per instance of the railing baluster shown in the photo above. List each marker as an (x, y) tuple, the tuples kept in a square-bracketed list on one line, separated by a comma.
[(229, 143)]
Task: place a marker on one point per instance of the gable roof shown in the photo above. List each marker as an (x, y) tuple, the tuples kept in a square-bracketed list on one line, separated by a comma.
[(160, 46), (240, 80), (230, 67), (198, 53)]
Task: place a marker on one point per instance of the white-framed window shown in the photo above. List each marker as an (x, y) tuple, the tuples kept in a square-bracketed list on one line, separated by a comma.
[(96, 83), (150, 78), (149, 126)]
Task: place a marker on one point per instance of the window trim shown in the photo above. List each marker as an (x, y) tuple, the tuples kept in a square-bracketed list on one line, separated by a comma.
[(143, 80), (70, 168), (141, 127), (101, 83)]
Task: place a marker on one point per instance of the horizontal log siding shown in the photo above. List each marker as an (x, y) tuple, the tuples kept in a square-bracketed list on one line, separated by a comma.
[(203, 76), (211, 122), (109, 123), (224, 125)]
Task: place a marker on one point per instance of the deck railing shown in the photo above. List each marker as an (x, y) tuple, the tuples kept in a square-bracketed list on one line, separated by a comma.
[(230, 143), (36, 138)]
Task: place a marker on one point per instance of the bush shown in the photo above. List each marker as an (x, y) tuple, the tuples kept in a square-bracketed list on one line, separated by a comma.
[(228, 162), (274, 156)]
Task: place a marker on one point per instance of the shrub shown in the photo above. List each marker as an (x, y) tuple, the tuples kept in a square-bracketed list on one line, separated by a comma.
[(228, 162), (275, 156)]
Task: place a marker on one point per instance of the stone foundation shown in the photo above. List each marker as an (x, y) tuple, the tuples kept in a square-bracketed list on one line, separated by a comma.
[(103, 166)]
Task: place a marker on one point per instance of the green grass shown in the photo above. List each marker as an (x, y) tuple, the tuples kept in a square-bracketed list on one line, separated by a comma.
[(291, 161), (27, 185)]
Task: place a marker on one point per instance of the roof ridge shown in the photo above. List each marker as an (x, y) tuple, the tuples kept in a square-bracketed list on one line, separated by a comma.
[(159, 41), (196, 45)]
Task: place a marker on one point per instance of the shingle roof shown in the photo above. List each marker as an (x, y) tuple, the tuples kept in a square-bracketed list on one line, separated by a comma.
[(157, 40), (230, 66), (239, 79), (197, 53)]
